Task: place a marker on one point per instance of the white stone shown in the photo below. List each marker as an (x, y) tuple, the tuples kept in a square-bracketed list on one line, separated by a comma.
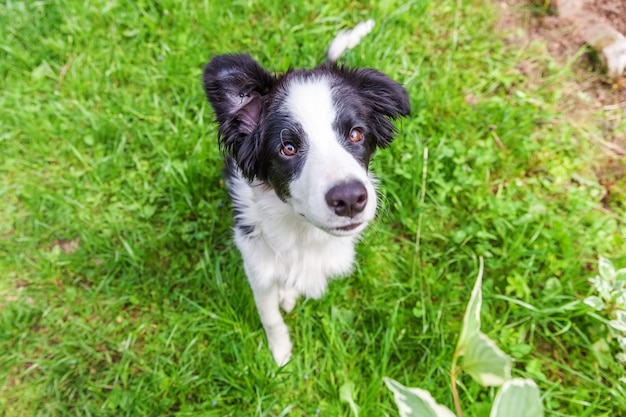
[(614, 57)]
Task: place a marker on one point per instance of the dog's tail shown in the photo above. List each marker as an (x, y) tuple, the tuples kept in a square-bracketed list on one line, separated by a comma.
[(348, 39)]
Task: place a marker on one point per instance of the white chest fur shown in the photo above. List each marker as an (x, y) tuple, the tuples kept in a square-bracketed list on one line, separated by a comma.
[(284, 249)]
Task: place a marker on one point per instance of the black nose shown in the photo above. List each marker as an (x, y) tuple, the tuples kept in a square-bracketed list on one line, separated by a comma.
[(347, 199)]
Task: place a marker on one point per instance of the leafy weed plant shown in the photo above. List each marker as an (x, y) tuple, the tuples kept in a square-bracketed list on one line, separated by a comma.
[(610, 284), (487, 365)]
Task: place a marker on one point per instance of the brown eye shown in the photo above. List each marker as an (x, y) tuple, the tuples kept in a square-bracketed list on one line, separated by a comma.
[(355, 136), (289, 149)]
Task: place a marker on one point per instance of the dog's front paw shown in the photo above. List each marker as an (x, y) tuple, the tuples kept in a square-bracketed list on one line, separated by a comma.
[(281, 349)]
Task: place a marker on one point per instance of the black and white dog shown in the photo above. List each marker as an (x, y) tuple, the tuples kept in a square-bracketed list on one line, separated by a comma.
[(297, 151)]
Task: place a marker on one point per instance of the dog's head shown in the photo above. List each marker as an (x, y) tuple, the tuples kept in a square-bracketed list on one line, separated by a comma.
[(307, 134)]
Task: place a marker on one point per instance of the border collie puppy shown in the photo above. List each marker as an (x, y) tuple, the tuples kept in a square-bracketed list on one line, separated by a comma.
[(297, 148)]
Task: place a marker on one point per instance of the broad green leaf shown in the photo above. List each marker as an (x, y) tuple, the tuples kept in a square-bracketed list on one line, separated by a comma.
[(346, 394), (595, 302), (620, 322), (620, 275), (603, 287), (606, 269), (415, 402), (620, 298), (518, 398), (471, 320), (485, 362)]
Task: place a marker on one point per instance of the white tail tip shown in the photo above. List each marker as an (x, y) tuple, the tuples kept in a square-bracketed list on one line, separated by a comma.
[(348, 39)]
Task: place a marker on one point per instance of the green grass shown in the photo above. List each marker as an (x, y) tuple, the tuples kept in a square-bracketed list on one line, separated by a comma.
[(122, 294)]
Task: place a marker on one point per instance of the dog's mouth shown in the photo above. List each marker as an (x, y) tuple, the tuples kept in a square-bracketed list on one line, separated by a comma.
[(349, 227), (345, 230)]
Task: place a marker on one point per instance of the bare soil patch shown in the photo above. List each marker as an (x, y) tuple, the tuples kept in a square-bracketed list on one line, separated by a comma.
[(613, 11), (591, 98), (563, 37)]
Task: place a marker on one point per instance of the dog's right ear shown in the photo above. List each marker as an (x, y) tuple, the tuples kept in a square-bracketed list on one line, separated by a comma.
[(236, 86)]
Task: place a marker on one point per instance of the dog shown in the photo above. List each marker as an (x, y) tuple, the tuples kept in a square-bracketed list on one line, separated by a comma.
[(297, 149)]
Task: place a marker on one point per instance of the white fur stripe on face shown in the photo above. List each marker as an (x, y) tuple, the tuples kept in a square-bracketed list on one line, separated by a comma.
[(310, 102), (327, 163)]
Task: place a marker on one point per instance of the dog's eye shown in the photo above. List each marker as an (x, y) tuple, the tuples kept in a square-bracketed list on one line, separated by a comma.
[(355, 136), (289, 149)]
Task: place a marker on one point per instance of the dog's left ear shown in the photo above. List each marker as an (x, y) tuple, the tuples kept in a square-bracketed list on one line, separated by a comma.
[(387, 98)]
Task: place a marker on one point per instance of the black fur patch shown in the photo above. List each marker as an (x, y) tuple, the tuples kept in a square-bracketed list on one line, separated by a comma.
[(230, 171)]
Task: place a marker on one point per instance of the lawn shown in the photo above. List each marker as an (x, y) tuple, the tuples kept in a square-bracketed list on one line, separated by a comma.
[(121, 291)]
